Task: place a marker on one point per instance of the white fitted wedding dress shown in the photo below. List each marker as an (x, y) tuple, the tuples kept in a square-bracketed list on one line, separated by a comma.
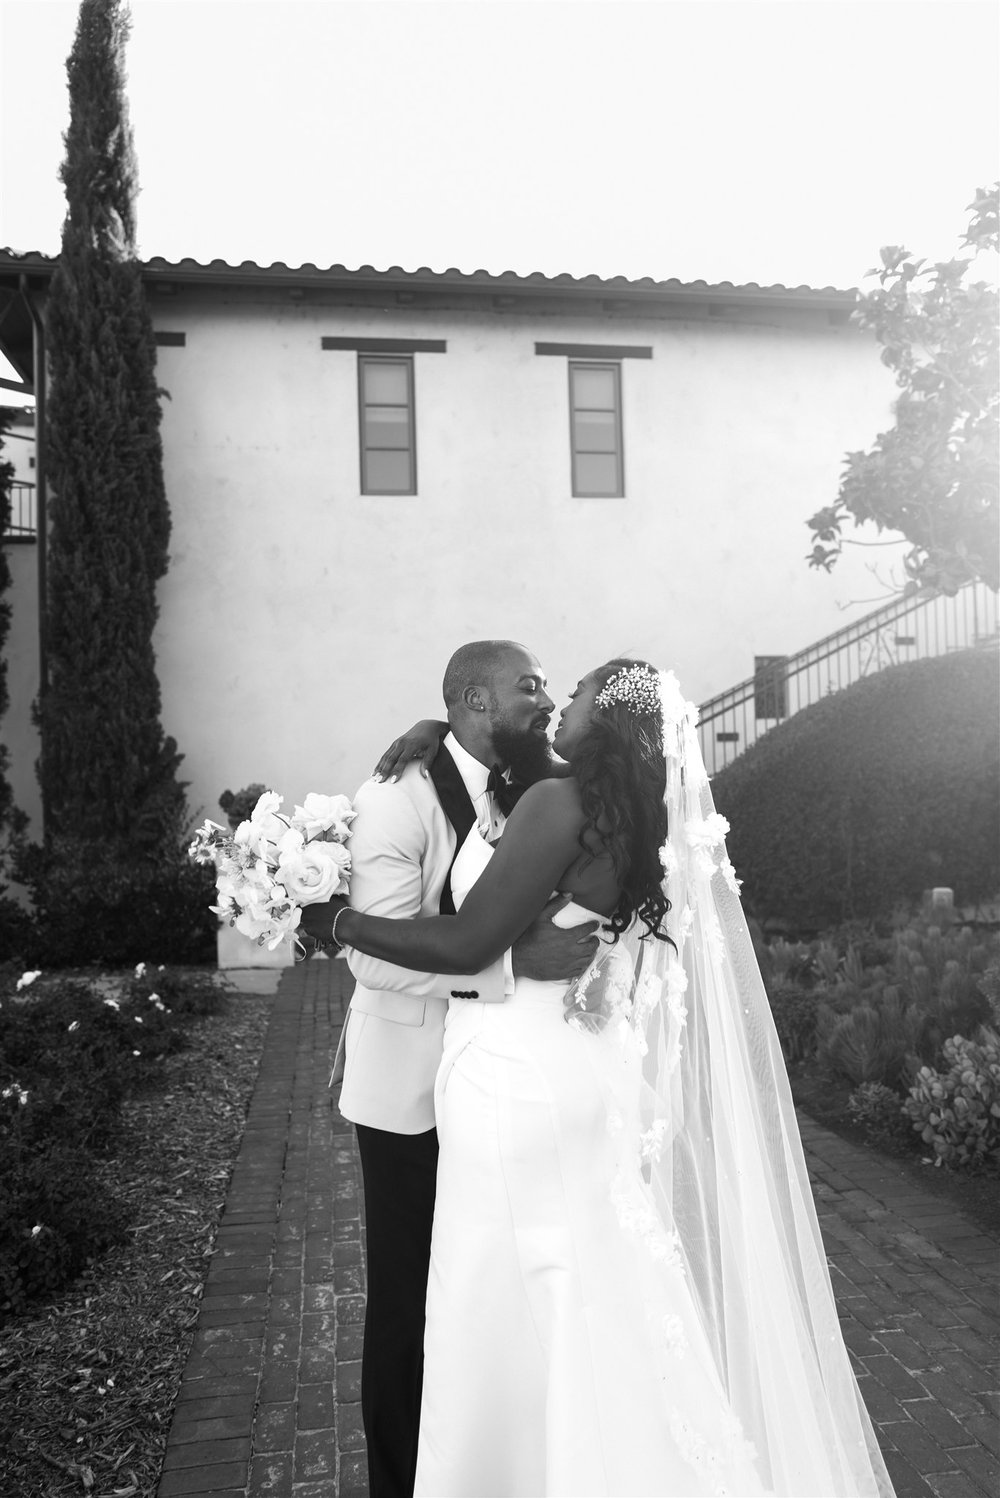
[(629, 1294), (563, 1353)]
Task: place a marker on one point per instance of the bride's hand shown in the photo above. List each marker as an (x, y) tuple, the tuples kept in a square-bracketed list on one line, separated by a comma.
[(419, 742), (316, 922)]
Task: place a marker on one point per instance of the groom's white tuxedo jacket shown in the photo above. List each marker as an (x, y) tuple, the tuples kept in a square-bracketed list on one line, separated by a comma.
[(402, 847)]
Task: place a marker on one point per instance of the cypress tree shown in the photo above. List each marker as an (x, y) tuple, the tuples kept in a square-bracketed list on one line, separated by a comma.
[(108, 773)]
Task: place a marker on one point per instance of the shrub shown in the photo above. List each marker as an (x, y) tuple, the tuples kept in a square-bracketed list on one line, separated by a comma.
[(18, 937), (91, 908), (790, 961), (957, 1111), (70, 1052), (989, 987), (54, 1216), (78, 1053), (184, 993), (879, 1110), (871, 796), (794, 1013), (867, 1044), (238, 805)]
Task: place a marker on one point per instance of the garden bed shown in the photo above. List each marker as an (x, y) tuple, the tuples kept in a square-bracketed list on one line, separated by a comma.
[(88, 1380), (824, 1098)]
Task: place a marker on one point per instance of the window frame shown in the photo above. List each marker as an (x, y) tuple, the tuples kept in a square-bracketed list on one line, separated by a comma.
[(365, 359), (613, 366)]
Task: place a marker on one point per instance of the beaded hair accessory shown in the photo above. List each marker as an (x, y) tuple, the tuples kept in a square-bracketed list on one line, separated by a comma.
[(635, 687)]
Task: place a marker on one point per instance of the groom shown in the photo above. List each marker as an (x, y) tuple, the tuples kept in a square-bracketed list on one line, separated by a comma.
[(404, 841)]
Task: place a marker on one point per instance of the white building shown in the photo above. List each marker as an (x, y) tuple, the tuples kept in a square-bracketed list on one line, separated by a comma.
[(367, 468)]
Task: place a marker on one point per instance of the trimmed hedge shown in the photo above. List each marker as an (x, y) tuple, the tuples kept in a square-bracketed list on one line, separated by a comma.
[(860, 803), (93, 907)]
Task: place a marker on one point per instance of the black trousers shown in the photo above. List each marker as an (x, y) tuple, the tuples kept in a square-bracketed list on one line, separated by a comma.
[(399, 1178)]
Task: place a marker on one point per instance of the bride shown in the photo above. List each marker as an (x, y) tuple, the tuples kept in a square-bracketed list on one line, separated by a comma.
[(628, 1291)]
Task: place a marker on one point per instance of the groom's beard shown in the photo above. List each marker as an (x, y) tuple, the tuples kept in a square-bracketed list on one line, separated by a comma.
[(528, 756)]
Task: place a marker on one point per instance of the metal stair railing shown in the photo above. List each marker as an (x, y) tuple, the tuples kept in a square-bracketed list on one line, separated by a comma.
[(22, 512), (913, 627)]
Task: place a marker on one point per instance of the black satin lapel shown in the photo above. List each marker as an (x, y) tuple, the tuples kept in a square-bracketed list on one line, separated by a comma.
[(457, 807)]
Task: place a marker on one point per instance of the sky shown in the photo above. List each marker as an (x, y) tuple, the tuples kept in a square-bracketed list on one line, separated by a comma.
[(764, 140)]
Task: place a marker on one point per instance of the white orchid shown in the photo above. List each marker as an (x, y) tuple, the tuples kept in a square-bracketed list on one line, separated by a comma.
[(26, 979)]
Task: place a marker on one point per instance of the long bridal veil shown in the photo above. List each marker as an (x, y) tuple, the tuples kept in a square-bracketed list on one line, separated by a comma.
[(710, 1163)]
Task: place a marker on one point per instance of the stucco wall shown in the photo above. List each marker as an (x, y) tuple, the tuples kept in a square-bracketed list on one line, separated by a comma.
[(302, 624)]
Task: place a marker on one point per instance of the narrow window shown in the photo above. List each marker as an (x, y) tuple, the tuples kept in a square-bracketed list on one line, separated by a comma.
[(388, 439), (596, 430)]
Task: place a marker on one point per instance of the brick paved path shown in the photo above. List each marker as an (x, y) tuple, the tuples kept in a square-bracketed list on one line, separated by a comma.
[(268, 1407)]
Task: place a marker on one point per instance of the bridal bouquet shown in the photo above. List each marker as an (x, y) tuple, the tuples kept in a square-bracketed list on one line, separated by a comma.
[(272, 864)]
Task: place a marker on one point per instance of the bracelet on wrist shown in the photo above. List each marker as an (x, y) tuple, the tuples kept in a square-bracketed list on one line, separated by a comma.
[(333, 929)]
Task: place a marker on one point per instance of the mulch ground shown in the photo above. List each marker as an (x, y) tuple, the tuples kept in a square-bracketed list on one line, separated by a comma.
[(88, 1382)]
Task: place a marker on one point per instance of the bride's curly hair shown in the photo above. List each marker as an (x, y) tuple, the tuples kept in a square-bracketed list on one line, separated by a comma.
[(619, 767)]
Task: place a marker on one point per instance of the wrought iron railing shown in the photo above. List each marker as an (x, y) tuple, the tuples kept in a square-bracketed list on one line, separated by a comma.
[(908, 629), (22, 512)]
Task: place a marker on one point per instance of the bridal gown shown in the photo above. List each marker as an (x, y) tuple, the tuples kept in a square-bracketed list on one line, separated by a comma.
[(564, 1357)]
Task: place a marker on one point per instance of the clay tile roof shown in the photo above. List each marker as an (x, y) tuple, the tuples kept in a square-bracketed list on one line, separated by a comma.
[(189, 270)]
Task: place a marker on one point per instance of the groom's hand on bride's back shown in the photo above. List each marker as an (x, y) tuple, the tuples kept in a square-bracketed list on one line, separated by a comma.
[(549, 953)]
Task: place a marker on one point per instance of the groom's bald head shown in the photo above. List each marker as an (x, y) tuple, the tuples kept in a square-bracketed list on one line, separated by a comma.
[(498, 707), (478, 665)]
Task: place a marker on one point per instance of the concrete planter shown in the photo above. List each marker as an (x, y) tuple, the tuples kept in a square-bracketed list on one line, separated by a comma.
[(235, 950)]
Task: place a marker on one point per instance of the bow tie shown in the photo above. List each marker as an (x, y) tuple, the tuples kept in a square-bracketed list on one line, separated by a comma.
[(505, 794)]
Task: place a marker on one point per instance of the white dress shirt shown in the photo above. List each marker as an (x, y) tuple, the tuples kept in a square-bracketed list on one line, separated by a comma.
[(490, 820)]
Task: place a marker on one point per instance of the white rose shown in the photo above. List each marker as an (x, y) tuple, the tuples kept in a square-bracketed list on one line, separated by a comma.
[(325, 814), (315, 873)]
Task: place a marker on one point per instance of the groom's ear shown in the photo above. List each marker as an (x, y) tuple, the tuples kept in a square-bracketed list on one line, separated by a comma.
[(474, 700)]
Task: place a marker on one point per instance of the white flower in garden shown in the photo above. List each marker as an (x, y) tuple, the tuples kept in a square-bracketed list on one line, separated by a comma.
[(112, 1004), (325, 814), (136, 1053), (15, 1090), (36, 1230), (138, 1019), (74, 1026), (316, 872), (140, 969), (26, 979)]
